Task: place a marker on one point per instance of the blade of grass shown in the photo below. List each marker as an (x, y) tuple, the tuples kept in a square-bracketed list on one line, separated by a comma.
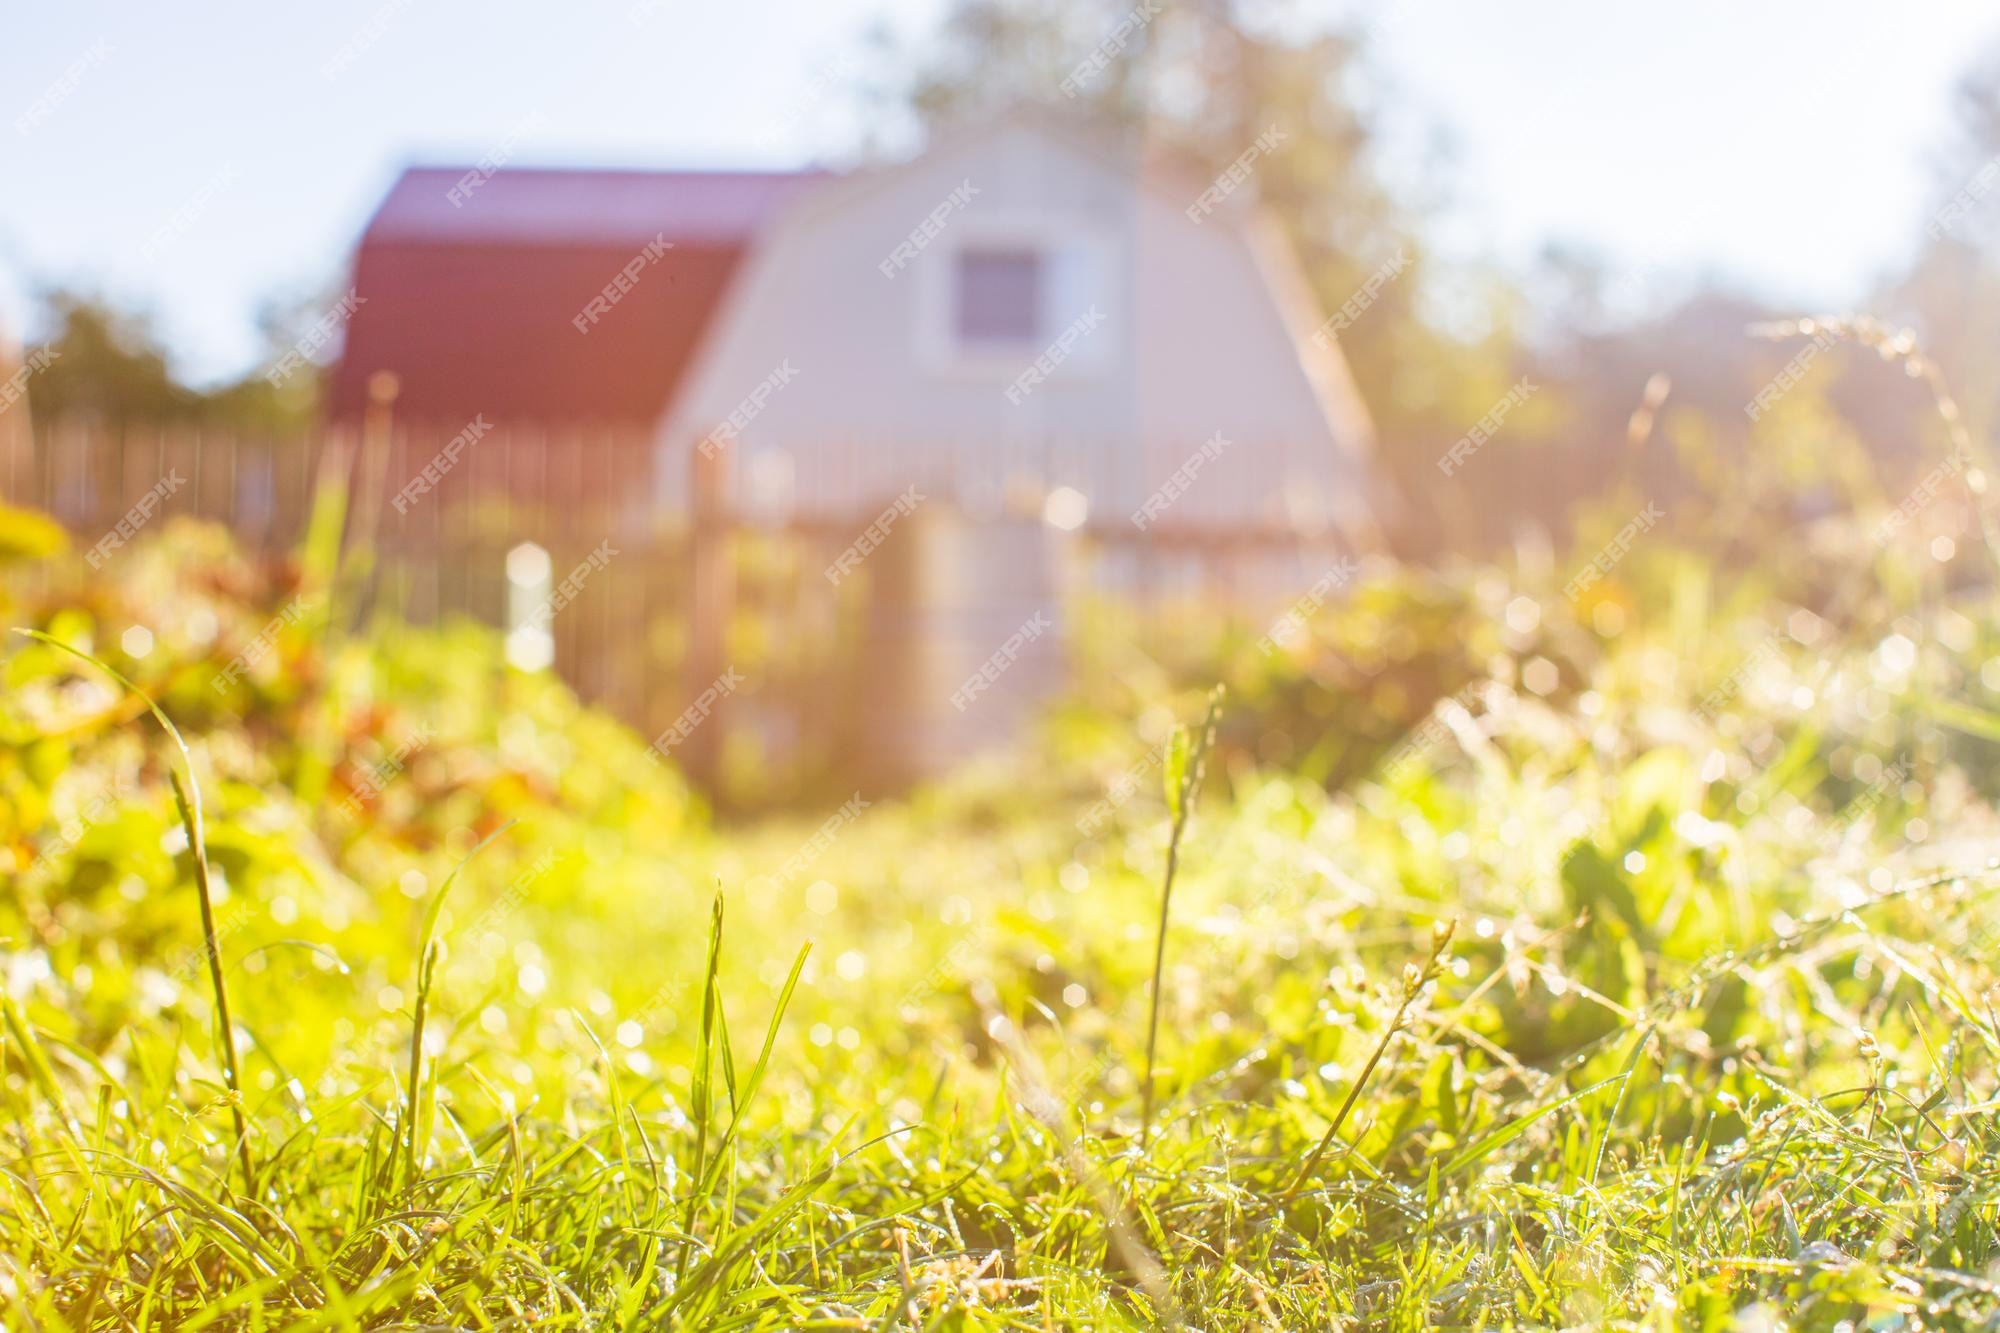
[(763, 1059), (187, 801), (1183, 777), (427, 952), (1520, 1125), (1414, 981), (703, 1090)]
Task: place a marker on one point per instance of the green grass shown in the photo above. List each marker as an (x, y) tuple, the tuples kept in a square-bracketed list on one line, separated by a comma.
[(1610, 1006)]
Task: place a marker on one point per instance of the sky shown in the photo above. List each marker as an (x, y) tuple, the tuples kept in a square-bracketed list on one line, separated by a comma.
[(199, 161)]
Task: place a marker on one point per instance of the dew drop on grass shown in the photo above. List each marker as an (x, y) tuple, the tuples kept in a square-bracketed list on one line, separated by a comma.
[(1894, 656), (1541, 676)]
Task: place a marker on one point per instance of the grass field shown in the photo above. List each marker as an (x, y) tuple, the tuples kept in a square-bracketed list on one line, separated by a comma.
[(1529, 962)]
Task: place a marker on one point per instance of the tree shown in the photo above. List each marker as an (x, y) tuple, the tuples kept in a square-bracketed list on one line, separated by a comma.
[(1951, 290), (109, 365), (106, 365)]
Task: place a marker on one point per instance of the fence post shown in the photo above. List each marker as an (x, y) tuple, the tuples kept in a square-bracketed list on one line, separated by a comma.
[(712, 593), (378, 426)]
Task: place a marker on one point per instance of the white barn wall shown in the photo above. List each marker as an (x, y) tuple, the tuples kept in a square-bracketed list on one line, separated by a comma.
[(1200, 335)]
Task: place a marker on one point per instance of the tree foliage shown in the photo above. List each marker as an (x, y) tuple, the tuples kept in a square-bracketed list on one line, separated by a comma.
[(110, 364)]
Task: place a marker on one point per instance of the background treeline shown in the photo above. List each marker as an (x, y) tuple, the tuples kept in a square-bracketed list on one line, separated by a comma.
[(1431, 353)]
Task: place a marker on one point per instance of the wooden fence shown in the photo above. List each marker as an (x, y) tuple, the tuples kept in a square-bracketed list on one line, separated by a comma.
[(693, 589)]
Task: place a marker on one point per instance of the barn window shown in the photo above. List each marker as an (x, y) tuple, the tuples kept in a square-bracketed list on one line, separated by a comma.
[(999, 295)]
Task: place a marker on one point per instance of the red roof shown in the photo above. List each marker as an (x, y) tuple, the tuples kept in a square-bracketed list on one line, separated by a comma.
[(471, 299)]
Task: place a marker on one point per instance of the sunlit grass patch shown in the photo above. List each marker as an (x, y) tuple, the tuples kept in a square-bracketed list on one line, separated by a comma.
[(1647, 986)]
